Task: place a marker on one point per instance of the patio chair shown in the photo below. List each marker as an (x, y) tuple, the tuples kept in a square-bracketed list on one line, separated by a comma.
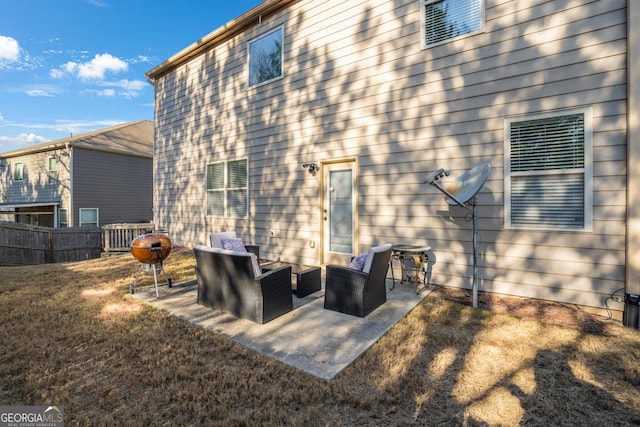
[(232, 282), (216, 240), (358, 292)]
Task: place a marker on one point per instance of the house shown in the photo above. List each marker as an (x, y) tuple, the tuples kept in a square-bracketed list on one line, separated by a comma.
[(374, 95), (93, 179)]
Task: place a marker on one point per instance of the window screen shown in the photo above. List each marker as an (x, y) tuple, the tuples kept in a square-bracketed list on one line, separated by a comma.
[(227, 193), (546, 182), (18, 171), (448, 19), (89, 218), (53, 171)]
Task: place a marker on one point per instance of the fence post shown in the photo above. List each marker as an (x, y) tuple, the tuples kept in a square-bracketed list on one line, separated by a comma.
[(50, 254)]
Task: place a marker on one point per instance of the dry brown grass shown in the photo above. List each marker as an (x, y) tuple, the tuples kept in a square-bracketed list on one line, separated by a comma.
[(72, 336)]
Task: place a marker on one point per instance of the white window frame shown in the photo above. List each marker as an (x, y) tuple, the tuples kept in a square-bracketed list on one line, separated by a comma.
[(82, 223), (226, 189), (249, 59), (586, 171), (18, 171), (63, 214), (423, 24), (53, 173)]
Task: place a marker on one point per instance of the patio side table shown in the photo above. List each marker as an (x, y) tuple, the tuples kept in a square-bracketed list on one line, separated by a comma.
[(412, 259)]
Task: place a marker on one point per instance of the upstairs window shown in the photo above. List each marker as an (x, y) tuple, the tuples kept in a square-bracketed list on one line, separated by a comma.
[(265, 58), (227, 192), (444, 20), (53, 172), (18, 171), (548, 172)]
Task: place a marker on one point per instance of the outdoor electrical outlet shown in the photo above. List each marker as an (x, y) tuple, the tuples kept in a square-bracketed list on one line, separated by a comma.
[(312, 244)]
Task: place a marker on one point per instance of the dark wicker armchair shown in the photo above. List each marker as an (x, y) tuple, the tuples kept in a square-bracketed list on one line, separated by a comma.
[(357, 292), (231, 281)]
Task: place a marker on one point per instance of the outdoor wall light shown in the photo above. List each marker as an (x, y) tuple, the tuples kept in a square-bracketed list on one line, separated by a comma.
[(313, 168)]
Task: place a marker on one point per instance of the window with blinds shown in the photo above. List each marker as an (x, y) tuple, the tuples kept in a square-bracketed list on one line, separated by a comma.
[(548, 172), (227, 191), (447, 19)]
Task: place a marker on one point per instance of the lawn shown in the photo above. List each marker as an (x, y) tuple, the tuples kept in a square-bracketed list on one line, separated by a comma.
[(72, 336)]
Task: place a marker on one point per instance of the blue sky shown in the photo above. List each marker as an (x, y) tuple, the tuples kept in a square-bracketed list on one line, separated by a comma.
[(73, 66)]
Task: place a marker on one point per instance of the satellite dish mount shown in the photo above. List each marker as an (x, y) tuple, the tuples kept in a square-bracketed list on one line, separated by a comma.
[(463, 192)]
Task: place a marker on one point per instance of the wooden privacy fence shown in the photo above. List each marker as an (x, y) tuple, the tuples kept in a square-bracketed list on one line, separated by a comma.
[(26, 245)]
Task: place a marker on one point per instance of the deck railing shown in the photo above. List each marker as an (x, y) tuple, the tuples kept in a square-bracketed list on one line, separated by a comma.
[(117, 237)]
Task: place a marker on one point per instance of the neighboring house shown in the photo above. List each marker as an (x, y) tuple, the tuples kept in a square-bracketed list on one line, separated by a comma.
[(380, 93), (93, 179)]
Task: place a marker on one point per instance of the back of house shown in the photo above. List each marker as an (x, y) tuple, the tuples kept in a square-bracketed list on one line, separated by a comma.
[(309, 126)]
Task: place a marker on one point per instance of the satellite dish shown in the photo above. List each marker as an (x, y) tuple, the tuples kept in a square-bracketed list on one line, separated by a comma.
[(467, 185)]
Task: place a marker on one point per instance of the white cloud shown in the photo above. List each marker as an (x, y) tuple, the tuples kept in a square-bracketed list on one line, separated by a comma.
[(23, 139), (9, 49), (100, 65), (40, 92), (107, 93), (56, 74), (123, 88), (96, 69)]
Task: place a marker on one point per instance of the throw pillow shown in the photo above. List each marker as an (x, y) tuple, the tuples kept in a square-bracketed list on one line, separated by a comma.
[(357, 263), (233, 245)]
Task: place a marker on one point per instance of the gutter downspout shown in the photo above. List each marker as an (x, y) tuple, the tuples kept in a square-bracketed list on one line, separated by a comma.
[(631, 315), (70, 215)]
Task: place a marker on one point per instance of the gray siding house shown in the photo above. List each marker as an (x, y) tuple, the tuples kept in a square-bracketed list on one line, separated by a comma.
[(93, 179), (377, 94)]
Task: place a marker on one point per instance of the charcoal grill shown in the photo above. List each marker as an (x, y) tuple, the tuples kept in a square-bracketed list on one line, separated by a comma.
[(151, 250)]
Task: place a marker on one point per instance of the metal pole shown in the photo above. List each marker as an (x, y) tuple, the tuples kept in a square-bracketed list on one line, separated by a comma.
[(474, 286)]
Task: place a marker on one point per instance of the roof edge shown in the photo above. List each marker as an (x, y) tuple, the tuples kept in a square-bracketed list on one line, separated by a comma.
[(221, 34), (59, 144)]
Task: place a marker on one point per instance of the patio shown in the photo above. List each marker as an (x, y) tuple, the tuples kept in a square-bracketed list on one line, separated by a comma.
[(317, 341)]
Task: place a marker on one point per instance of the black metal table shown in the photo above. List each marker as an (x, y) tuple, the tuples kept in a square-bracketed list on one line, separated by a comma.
[(308, 277), (413, 260)]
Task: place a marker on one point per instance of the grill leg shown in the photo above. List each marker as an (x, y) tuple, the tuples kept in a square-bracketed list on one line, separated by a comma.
[(132, 288), (155, 280)]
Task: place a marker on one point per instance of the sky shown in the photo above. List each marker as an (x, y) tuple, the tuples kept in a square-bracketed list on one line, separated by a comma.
[(73, 66)]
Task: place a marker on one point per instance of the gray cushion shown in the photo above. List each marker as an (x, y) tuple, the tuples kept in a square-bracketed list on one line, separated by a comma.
[(370, 255), (216, 238)]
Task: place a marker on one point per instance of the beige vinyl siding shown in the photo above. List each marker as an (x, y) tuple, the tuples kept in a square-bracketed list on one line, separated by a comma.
[(35, 186), (357, 84)]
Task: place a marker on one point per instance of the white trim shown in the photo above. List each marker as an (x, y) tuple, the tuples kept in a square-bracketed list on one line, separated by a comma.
[(423, 27), (281, 76), (587, 113), (97, 210), (13, 171), (225, 189)]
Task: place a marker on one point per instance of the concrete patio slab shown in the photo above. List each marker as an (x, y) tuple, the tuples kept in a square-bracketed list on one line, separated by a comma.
[(317, 341)]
